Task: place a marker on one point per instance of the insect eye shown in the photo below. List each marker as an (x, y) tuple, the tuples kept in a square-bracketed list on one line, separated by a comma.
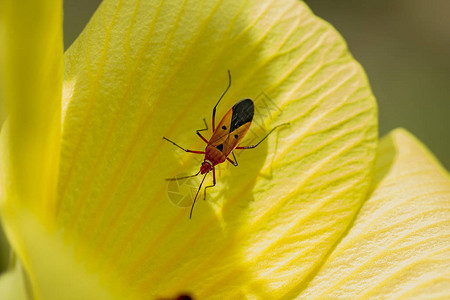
[(236, 136), (224, 127)]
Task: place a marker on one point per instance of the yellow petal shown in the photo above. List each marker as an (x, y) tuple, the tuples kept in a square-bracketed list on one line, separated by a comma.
[(13, 285), (398, 246), (54, 271), (142, 70), (31, 64)]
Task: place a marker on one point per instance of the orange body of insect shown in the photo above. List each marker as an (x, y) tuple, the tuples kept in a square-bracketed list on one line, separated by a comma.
[(228, 134), (226, 138)]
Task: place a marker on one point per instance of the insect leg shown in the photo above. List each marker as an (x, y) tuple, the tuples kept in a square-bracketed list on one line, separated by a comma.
[(214, 109), (254, 146), (191, 151), (192, 207), (235, 162), (200, 135), (184, 177), (214, 182)]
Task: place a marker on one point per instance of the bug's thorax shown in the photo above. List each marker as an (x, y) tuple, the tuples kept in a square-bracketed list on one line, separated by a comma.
[(214, 155)]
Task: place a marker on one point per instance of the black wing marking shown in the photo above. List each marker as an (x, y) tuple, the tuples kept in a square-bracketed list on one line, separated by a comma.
[(220, 147), (242, 113)]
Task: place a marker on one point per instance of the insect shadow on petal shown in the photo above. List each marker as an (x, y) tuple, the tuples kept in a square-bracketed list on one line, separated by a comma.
[(225, 138)]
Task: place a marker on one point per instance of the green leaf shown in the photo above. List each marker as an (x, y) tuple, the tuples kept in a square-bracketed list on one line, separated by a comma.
[(398, 246)]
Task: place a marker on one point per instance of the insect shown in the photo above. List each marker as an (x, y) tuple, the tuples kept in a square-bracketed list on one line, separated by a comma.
[(225, 138)]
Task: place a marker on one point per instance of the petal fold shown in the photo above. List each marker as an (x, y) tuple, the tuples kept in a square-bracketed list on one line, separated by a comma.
[(31, 71), (398, 246)]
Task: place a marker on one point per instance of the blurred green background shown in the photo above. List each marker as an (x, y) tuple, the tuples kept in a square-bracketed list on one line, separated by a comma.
[(403, 45)]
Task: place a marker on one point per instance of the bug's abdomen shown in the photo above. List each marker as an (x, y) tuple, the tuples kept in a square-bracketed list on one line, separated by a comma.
[(214, 154)]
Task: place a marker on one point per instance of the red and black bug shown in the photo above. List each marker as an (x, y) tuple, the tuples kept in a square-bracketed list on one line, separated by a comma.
[(226, 138)]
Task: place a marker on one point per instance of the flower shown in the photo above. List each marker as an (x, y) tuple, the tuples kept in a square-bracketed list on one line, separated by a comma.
[(85, 204)]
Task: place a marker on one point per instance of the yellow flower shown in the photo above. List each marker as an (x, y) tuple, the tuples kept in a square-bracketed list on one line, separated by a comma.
[(84, 201)]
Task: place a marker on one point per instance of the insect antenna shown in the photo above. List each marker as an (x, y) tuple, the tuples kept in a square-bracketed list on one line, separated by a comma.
[(199, 188), (214, 109), (226, 90), (184, 177)]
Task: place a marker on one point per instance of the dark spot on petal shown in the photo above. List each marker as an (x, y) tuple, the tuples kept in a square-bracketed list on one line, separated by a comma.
[(236, 136), (224, 127)]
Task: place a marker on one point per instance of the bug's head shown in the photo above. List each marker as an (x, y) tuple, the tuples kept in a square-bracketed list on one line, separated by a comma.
[(206, 167)]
